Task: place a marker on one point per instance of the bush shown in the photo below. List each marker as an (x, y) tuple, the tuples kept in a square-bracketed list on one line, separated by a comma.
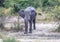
[(18, 27)]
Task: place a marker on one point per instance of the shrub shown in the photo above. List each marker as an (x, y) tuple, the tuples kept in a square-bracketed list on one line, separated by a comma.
[(18, 27)]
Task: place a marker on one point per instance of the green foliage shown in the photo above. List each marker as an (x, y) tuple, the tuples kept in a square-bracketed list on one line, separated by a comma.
[(2, 2), (17, 26), (58, 29), (7, 4), (2, 35), (44, 5), (9, 39), (35, 3)]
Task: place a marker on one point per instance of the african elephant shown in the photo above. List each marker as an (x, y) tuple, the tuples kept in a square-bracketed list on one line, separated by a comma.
[(29, 15)]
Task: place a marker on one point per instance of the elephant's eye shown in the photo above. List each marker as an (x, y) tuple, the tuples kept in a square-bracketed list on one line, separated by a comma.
[(22, 11)]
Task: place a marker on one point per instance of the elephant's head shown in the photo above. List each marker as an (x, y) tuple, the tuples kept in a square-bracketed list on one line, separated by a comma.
[(21, 13)]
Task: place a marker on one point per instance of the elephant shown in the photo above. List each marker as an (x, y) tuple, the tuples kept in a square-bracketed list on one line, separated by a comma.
[(29, 16)]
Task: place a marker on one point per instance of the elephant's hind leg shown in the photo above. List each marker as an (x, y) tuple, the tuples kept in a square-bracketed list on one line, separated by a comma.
[(34, 24)]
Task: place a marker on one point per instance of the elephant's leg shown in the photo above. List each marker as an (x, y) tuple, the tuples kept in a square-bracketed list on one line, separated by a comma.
[(30, 29), (34, 27), (26, 26)]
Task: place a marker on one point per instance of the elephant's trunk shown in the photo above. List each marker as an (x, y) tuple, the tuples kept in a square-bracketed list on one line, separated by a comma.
[(26, 24)]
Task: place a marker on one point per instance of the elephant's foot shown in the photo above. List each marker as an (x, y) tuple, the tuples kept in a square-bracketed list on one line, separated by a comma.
[(34, 28), (25, 32), (30, 31)]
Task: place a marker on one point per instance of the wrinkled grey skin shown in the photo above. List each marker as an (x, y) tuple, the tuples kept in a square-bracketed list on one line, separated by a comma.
[(29, 15)]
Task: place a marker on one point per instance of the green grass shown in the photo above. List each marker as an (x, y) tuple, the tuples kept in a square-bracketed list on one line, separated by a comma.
[(9, 39), (2, 35)]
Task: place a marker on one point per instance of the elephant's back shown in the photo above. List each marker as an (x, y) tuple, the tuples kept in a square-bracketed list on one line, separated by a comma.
[(30, 8), (30, 12)]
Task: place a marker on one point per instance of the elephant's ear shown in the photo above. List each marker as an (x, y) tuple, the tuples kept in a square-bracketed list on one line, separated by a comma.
[(21, 11)]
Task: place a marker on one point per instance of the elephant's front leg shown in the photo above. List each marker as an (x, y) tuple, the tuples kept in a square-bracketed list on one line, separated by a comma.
[(26, 26), (30, 29)]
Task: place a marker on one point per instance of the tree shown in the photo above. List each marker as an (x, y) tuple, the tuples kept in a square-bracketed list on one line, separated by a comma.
[(2, 2)]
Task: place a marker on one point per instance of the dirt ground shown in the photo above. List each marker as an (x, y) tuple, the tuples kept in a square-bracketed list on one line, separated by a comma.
[(44, 30), (43, 33)]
